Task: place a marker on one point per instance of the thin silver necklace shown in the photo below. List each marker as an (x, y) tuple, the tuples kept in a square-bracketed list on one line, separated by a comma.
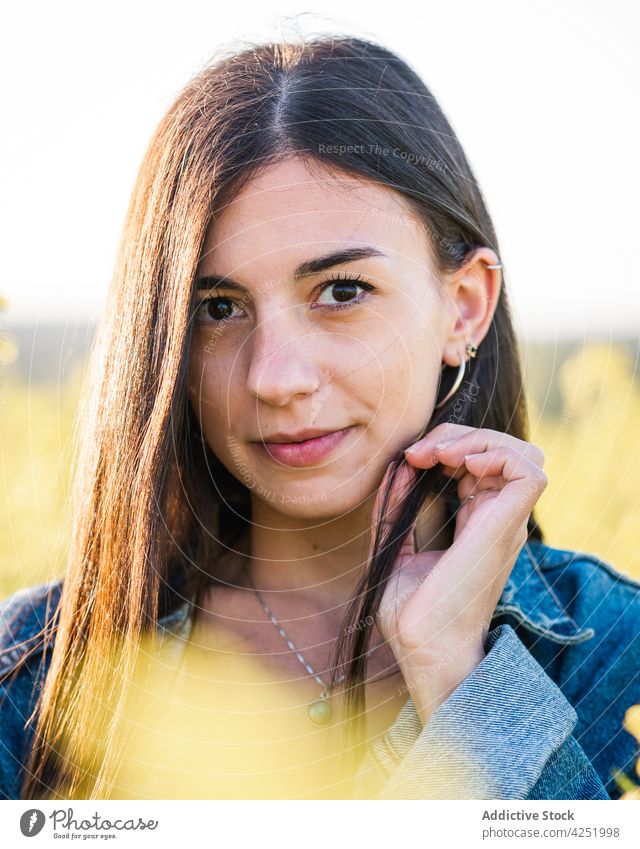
[(319, 711)]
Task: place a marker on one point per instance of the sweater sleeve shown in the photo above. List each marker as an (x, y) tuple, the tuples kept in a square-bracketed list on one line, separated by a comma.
[(504, 733)]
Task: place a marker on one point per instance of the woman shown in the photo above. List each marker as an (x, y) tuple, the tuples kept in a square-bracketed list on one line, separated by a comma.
[(305, 431)]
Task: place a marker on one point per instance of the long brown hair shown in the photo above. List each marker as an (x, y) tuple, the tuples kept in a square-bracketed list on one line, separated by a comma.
[(153, 508)]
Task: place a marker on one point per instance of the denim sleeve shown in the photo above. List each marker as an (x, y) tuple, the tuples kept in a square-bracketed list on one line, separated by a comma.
[(504, 733)]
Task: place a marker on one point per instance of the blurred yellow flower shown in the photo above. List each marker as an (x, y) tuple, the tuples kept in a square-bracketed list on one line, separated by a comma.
[(632, 721)]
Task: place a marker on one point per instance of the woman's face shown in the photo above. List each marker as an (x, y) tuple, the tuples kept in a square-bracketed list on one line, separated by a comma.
[(279, 348)]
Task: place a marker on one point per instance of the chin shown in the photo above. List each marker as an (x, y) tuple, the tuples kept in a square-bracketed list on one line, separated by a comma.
[(300, 503)]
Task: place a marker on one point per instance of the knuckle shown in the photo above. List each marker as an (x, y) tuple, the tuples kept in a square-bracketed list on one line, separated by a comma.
[(445, 430), (538, 455), (541, 478)]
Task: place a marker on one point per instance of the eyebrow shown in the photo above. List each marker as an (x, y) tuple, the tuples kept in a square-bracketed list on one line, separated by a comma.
[(311, 266)]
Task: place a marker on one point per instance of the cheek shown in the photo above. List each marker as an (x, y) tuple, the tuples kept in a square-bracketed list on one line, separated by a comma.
[(206, 392), (408, 380)]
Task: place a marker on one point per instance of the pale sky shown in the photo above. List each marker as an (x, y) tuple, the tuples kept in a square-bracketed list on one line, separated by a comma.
[(544, 97)]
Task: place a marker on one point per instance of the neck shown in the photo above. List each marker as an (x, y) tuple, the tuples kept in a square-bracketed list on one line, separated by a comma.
[(318, 564)]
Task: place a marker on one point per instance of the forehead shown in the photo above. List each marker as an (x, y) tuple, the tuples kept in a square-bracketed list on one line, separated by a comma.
[(295, 209)]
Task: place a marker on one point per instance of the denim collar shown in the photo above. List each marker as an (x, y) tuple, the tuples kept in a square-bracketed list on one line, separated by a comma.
[(530, 599)]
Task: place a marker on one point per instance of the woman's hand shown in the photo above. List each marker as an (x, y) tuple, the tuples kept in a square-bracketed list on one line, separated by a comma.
[(437, 605)]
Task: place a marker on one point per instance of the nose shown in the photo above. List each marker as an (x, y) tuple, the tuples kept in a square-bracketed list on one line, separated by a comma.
[(284, 360)]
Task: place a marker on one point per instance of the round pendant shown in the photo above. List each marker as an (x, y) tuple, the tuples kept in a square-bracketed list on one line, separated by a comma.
[(319, 712)]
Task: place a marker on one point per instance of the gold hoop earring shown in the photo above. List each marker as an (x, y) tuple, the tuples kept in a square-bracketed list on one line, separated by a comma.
[(471, 351)]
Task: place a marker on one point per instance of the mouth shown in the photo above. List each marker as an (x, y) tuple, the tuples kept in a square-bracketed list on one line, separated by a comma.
[(306, 452)]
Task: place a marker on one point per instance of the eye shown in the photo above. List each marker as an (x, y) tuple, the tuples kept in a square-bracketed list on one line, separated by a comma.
[(216, 308), (343, 288)]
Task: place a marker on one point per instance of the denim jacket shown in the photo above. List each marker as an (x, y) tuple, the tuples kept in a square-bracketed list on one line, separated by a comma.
[(540, 717)]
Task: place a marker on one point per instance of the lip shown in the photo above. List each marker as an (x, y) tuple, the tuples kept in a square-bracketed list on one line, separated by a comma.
[(300, 436), (306, 453)]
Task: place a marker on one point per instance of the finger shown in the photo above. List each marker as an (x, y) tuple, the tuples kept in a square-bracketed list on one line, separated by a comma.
[(487, 482), (444, 432), (455, 472), (472, 485), (506, 462), (405, 479), (448, 432), (459, 473), (524, 483), (476, 441)]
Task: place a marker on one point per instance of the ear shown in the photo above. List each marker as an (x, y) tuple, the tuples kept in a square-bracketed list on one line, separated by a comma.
[(472, 293)]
